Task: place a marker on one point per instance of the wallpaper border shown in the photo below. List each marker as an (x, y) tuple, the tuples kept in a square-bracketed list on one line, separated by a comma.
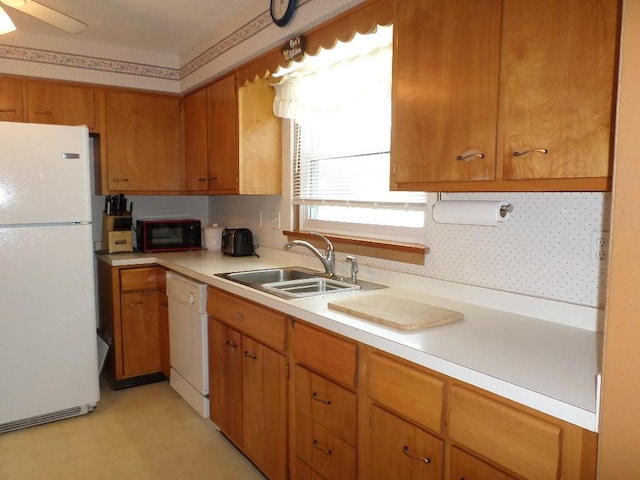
[(244, 33)]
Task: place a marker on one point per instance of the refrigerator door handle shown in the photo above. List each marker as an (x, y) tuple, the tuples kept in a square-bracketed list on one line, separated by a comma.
[(70, 155)]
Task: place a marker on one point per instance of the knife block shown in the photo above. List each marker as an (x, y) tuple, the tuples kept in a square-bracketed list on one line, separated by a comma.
[(116, 233)]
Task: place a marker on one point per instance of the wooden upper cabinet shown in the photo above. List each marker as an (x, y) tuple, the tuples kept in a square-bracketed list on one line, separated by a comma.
[(195, 141), (142, 142), (445, 90), (260, 136), (503, 95), (222, 108), (62, 105), (559, 64), (233, 141), (11, 101)]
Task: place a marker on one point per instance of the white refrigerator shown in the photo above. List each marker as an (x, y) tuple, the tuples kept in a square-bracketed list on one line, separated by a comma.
[(48, 347)]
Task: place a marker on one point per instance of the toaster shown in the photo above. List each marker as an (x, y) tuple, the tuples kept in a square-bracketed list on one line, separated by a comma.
[(237, 242)]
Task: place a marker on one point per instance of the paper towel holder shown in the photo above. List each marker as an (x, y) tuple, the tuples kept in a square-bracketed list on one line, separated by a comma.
[(508, 208)]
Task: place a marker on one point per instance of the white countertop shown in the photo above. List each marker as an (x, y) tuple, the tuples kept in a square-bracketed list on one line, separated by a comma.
[(522, 348)]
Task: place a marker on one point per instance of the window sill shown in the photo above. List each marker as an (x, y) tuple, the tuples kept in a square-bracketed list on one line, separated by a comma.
[(395, 251)]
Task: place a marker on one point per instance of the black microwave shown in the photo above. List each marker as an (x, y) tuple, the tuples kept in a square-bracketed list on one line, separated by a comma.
[(168, 235)]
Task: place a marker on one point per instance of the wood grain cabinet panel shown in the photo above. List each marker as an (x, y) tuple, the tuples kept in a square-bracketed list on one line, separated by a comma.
[(332, 356), (522, 443), (61, 105), (409, 391), (225, 379), (140, 333), (327, 404), (401, 451), (468, 467), (11, 101), (143, 152), (263, 324), (559, 64), (445, 90)]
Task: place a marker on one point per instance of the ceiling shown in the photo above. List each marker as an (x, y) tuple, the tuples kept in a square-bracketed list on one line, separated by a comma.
[(166, 26)]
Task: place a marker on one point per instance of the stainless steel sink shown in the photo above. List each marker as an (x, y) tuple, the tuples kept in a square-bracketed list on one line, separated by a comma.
[(309, 287), (296, 282), (270, 275)]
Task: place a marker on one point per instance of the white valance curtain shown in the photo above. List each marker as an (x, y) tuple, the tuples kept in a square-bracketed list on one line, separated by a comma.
[(331, 81)]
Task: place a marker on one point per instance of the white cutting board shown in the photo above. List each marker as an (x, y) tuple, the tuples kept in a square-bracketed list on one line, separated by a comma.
[(396, 312)]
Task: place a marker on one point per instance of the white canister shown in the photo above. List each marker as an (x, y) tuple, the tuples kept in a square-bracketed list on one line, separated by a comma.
[(212, 237)]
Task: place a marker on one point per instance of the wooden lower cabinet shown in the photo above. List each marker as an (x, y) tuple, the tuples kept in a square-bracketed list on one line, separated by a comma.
[(468, 467), (163, 319), (402, 451), (130, 316), (264, 406), (225, 379), (248, 379)]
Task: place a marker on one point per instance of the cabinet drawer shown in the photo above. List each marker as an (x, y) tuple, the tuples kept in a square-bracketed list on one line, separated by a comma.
[(332, 458), (468, 467), (333, 407), (409, 391), (262, 324), (400, 450), (139, 279), (520, 442), (334, 357)]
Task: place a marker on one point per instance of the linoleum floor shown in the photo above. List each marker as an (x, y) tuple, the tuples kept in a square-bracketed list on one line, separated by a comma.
[(141, 433)]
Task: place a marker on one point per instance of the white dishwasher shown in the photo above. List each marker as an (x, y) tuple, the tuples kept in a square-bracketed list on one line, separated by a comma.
[(188, 340)]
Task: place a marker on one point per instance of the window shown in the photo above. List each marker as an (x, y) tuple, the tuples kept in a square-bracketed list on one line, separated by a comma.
[(340, 103)]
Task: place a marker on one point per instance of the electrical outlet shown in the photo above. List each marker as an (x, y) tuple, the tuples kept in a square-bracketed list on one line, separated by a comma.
[(599, 247), (275, 220)]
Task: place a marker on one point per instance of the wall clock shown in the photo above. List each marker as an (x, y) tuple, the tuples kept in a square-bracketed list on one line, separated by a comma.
[(282, 11)]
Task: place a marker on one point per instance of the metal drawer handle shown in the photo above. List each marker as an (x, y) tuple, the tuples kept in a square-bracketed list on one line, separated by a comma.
[(543, 151), (323, 450), (238, 316), (405, 450), (229, 343), (135, 304), (43, 112), (7, 110), (469, 156), (317, 399), (250, 355), (120, 179)]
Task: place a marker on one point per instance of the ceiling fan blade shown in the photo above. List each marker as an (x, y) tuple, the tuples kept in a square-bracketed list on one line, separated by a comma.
[(47, 14)]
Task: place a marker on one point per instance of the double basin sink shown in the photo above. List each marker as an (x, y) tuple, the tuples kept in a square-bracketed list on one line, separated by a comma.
[(296, 282)]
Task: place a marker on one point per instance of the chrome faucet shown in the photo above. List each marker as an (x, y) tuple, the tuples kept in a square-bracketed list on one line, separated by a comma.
[(328, 259)]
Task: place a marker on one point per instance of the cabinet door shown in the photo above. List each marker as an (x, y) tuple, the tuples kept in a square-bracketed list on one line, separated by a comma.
[(468, 467), (140, 333), (143, 142), (559, 73), (401, 451), (61, 105), (163, 321), (11, 102), (195, 141), (265, 408), (222, 99), (225, 379), (445, 90)]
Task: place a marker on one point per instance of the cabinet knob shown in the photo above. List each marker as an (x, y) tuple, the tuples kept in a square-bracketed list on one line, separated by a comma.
[(229, 343), (405, 450), (543, 151), (469, 156), (250, 355)]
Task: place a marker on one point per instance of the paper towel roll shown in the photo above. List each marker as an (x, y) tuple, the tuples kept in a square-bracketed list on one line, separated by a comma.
[(212, 237), (471, 212)]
